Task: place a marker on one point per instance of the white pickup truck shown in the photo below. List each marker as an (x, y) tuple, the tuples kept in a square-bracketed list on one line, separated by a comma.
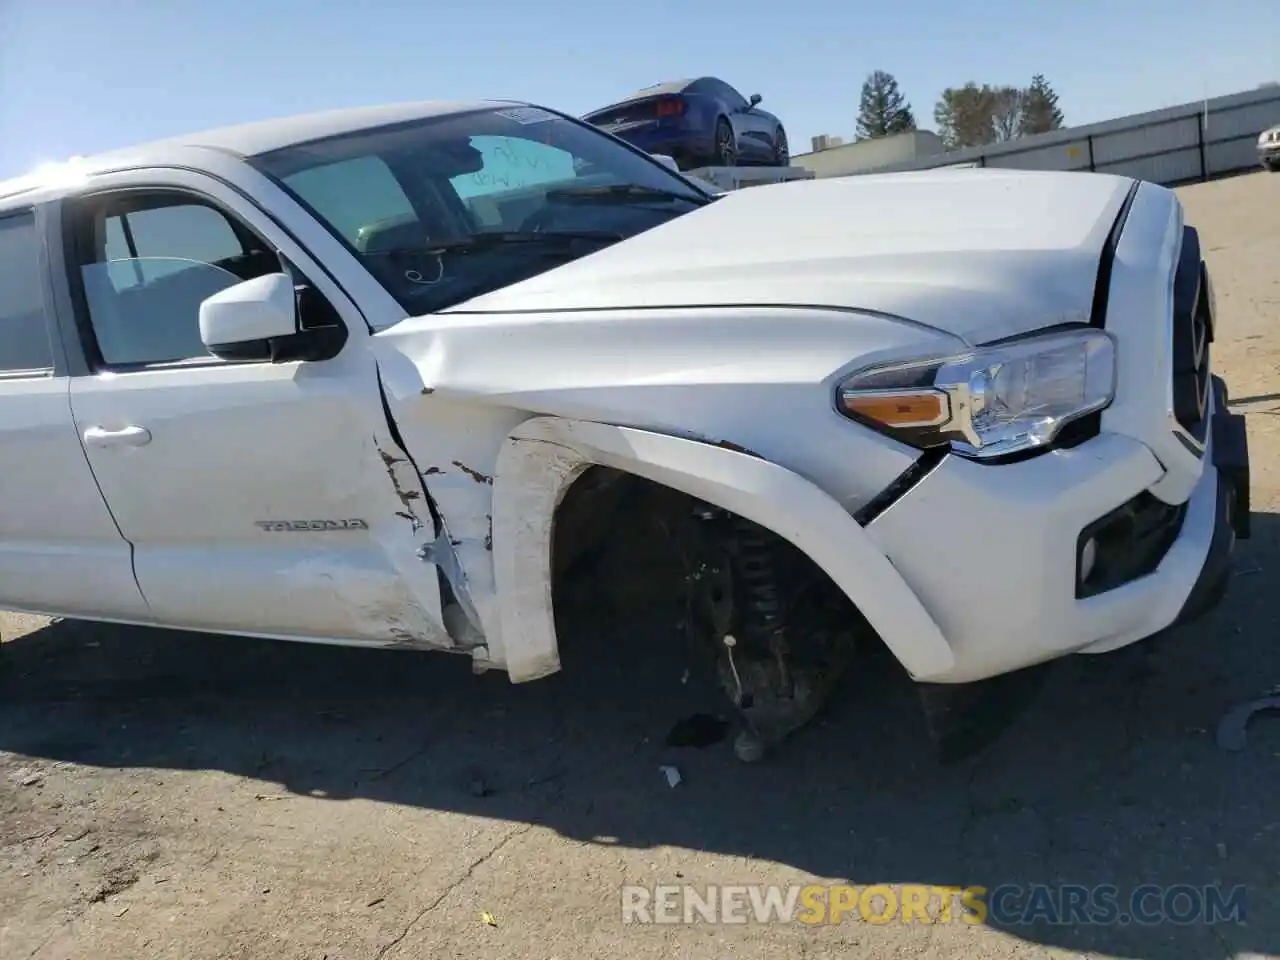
[(395, 376)]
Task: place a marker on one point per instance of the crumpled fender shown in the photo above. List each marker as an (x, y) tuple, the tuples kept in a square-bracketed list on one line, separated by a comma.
[(542, 457)]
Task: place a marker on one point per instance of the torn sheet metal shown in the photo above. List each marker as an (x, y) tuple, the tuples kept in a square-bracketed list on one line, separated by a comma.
[(441, 553)]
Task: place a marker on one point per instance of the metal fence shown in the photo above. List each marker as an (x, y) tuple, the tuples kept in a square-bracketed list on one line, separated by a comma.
[(1193, 141)]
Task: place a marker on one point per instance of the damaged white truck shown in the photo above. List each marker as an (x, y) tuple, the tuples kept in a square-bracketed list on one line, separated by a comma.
[(395, 376)]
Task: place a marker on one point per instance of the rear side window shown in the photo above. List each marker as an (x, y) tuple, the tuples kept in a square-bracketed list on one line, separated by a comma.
[(24, 332)]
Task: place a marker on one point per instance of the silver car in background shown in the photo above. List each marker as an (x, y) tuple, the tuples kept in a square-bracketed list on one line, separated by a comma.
[(1269, 148)]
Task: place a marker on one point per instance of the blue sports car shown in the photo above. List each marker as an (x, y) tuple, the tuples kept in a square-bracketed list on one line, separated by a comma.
[(702, 122)]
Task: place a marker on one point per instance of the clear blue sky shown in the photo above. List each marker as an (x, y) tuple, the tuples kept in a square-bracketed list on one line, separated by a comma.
[(80, 76)]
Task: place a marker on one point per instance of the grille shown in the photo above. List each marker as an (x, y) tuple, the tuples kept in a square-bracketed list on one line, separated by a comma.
[(1192, 334)]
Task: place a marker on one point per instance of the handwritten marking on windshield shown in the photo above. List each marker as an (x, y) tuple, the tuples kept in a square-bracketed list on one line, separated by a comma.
[(512, 162)]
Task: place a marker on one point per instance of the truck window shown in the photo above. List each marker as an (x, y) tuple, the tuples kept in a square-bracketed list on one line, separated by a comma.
[(152, 259), (496, 194), (24, 331), (361, 197)]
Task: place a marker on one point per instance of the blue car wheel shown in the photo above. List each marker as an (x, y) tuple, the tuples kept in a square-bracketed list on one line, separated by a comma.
[(726, 145)]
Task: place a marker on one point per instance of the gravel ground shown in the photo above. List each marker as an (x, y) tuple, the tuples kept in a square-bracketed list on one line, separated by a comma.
[(177, 795)]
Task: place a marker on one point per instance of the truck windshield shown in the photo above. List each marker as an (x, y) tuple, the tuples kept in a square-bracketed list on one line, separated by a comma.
[(443, 209)]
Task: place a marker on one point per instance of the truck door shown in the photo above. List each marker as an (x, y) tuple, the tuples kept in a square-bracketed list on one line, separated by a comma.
[(60, 551), (260, 498)]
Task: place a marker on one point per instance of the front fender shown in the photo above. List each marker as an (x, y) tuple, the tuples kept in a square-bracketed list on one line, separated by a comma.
[(542, 457)]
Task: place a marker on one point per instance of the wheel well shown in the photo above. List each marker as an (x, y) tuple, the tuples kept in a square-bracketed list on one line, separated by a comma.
[(755, 610), (609, 518)]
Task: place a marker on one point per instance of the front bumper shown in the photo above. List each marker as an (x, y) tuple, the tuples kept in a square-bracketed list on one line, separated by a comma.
[(994, 553), (1230, 447)]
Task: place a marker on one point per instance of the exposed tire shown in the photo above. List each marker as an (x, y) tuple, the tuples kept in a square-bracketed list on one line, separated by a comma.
[(726, 146), (781, 151)]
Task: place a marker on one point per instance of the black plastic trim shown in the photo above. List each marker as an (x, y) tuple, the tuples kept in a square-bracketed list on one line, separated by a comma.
[(59, 365), (63, 295), (1106, 260), (1132, 540), (1231, 511), (1211, 585), (903, 484), (1192, 331), (1231, 457)]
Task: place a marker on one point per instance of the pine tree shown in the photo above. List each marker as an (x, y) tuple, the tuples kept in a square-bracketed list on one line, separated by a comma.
[(1040, 112), (883, 109)]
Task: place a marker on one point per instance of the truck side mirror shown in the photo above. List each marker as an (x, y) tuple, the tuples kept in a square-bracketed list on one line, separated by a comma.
[(258, 320), (755, 98)]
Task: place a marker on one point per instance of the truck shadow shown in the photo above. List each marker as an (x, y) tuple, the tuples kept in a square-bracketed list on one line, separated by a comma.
[(1111, 777)]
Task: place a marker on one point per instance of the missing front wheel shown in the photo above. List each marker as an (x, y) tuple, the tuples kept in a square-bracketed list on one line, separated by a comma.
[(777, 634)]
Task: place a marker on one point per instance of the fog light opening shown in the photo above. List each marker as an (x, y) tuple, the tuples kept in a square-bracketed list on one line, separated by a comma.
[(1088, 557)]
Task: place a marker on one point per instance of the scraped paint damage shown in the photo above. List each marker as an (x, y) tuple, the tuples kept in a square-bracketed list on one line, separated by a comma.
[(406, 496)]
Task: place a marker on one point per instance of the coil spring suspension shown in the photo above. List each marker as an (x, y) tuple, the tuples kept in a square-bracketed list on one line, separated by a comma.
[(757, 589)]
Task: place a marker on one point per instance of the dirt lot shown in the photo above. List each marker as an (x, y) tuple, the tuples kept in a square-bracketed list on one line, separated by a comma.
[(174, 795)]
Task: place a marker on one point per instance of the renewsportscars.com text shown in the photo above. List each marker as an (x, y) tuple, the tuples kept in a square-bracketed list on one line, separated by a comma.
[(1004, 905)]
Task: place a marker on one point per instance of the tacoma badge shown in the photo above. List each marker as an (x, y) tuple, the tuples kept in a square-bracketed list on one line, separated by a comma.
[(309, 526)]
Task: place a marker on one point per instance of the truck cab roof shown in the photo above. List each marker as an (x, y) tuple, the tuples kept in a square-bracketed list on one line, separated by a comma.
[(51, 181)]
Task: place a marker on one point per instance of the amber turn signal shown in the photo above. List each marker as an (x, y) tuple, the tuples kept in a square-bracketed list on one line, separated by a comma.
[(901, 410)]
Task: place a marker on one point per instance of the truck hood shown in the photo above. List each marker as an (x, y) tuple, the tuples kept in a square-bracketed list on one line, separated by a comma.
[(980, 254)]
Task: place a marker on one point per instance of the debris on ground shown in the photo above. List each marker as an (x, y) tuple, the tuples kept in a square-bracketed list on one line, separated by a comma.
[(748, 747), (672, 775), (487, 917), (697, 730), (1232, 726), (549, 777)]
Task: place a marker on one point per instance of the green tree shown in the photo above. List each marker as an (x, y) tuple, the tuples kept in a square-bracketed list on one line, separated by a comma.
[(1040, 112), (966, 116), (883, 109)]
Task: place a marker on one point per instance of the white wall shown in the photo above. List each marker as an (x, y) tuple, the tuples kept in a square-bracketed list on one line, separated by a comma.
[(864, 155)]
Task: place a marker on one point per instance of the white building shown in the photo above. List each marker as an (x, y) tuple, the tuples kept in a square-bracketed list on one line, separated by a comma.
[(831, 157)]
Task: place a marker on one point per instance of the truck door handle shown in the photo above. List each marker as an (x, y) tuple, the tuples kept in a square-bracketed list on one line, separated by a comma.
[(130, 436)]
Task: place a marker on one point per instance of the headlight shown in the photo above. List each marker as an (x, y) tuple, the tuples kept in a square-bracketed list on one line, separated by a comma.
[(995, 400)]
